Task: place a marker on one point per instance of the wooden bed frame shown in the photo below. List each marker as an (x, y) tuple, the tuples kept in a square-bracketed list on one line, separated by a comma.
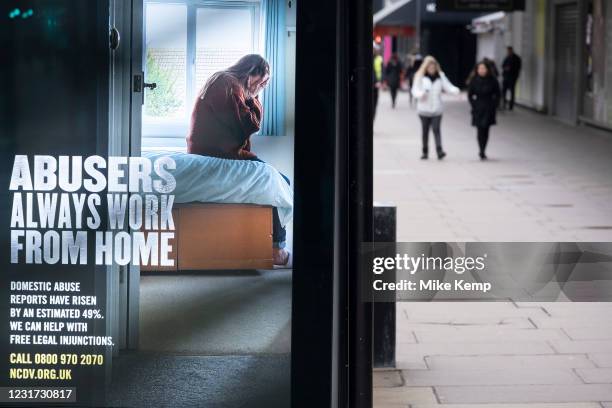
[(220, 236)]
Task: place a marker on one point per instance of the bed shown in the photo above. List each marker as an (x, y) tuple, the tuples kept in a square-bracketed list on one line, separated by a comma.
[(223, 212)]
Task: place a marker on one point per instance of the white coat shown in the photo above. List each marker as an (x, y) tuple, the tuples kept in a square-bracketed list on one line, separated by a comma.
[(429, 94)]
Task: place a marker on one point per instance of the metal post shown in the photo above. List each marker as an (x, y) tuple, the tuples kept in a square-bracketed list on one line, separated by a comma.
[(384, 313)]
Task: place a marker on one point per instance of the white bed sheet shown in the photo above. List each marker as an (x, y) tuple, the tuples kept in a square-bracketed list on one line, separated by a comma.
[(212, 180)]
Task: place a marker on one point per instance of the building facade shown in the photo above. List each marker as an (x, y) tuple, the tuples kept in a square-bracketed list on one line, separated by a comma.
[(566, 47), (411, 26)]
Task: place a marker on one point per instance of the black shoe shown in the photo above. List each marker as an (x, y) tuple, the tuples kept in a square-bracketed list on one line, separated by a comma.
[(424, 156), (441, 155), (483, 156)]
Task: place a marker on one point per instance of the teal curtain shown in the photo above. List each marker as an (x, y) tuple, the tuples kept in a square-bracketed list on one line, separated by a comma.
[(274, 95)]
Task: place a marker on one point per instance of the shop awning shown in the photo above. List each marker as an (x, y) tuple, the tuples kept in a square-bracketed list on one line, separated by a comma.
[(405, 13), (399, 13), (488, 22), (394, 31)]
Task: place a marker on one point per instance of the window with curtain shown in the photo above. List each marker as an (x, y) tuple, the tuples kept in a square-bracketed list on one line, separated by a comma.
[(185, 42)]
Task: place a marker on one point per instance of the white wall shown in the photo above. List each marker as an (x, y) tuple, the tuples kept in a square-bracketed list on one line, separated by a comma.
[(290, 21), (526, 33), (608, 118), (491, 45)]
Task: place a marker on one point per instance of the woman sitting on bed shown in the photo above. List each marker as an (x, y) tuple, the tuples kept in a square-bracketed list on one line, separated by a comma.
[(226, 114)]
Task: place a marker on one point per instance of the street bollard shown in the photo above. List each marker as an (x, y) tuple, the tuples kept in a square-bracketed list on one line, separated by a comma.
[(384, 313)]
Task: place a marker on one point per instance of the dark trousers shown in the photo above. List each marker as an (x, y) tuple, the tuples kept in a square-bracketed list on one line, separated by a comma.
[(279, 233), (393, 92), (432, 122), (483, 138), (410, 83), (508, 85)]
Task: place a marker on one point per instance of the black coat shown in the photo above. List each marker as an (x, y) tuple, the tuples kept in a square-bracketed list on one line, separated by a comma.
[(393, 72), (484, 95), (512, 68)]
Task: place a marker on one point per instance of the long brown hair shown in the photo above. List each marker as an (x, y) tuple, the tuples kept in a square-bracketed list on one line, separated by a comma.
[(249, 65), (474, 72)]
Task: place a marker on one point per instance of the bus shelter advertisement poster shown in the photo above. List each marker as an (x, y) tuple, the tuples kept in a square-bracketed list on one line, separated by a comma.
[(69, 219), (120, 121)]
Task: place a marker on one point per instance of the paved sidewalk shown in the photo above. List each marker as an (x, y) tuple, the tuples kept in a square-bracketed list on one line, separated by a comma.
[(545, 182)]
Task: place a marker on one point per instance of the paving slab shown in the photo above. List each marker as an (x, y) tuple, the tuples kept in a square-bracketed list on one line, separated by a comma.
[(595, 375), (595, 332), (486, 334), (473, 349), (524, 363), (582, 346), (403, 396), (498, 376), (387, 378), (603, 360), (580, 393), (588, 320), (545, 405)]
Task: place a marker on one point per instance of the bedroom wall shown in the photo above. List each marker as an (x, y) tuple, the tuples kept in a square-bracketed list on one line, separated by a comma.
[(290, 20), (278, 150)]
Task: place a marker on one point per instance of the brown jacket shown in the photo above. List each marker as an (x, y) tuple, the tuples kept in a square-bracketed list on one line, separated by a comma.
[(223, 120)]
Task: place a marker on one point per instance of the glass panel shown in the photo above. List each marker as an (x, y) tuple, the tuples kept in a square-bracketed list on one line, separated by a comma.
[(222, 314), (166, 52), (223, 35)]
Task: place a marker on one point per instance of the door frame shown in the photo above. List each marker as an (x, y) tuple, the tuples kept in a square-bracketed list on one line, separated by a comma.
[(331, 359), (125, 105)]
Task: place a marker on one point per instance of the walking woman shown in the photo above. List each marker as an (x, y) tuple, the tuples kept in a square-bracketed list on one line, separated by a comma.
[(393, 77), (429, 84), (483, 95)]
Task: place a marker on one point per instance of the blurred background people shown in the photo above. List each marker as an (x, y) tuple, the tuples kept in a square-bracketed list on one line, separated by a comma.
[(429, 84), (416, 59), (511, 71), (483, 95), (490, 64), (393, 77), (376, 80)]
